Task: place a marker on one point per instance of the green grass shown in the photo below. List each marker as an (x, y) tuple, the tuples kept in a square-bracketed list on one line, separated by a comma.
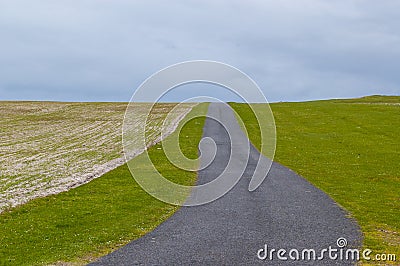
[(91, 220), (349, 149)]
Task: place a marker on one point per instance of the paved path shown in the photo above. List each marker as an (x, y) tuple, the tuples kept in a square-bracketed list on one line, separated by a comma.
[(285, 212)]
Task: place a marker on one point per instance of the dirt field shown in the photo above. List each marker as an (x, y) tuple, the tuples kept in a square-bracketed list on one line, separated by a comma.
[(49, 147)]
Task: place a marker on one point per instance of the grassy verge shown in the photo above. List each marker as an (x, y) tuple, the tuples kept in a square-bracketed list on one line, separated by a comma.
[(349, 149), (91, 220)]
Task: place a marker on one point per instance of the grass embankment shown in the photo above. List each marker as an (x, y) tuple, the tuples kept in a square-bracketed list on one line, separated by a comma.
[(350, 150), (93, 219)]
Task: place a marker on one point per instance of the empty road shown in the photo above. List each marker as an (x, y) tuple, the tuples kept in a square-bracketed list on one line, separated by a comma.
[(285, 212)]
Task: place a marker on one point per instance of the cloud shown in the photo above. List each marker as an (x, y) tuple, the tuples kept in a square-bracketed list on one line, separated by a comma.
[(101, 50)]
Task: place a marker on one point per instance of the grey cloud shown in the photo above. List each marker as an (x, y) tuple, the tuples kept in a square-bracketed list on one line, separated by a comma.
[(102, 50)]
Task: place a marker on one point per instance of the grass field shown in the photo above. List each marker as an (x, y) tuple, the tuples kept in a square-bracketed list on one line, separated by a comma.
[(351, 150), (348, 148), (89, 221), (48, 147)]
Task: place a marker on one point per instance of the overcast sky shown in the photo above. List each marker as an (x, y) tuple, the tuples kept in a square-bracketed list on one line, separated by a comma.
[(98, 50)]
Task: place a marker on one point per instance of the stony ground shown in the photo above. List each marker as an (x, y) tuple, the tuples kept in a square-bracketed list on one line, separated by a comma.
[(50, 147)]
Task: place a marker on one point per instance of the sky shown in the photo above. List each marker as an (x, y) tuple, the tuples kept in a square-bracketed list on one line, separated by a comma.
[(98, 50)]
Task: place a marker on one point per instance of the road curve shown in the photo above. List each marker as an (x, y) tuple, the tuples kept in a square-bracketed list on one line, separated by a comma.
[(285, 212)]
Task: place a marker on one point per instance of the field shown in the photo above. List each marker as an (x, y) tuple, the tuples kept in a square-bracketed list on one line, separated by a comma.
[(49, 147), (350, 150), (91, 220)]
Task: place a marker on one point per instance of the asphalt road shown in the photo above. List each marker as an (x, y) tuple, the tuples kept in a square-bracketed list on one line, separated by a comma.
[(285, 212)]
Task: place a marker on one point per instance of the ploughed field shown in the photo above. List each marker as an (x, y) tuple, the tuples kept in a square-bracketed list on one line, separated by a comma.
[(50, 147)]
